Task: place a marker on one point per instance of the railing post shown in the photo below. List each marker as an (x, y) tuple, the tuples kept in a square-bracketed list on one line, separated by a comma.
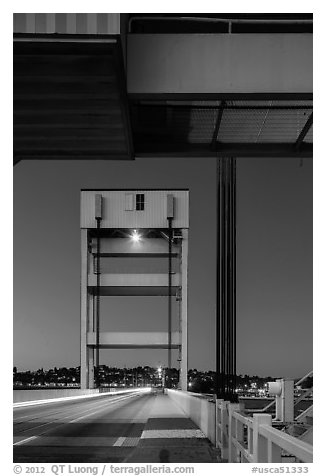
[(260, 446), (250, 438), (233, 432), (288, 400), (218, 433), (274, 453), (224, 429), (239, 429)]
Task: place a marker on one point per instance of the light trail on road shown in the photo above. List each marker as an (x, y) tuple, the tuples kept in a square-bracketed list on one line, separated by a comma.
[(104, 429)]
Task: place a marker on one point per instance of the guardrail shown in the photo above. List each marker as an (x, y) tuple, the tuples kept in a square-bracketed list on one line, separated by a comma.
[(230, 22), (200, 410), (242, 439), (308, 412)]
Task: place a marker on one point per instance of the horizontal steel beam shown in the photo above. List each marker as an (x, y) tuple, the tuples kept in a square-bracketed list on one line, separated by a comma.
[(262, 150), (177, 63), (123, 246), (131, 340), (134, 290), (234, 107), (304, 96), (136, 280), (65, 38), (137, 255), (224, 150)]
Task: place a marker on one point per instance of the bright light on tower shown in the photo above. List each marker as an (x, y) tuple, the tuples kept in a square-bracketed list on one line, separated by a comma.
[(135, 236)]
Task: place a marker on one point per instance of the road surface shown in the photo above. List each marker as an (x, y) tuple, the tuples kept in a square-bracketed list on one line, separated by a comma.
[(103, 429)]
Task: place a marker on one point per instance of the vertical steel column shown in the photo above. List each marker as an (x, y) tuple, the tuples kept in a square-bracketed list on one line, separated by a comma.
[(184, 312), (98, 285), (90, 349), (170, 303), (226, 279), (218, 281), (97, 270), (234, 274), (84, 303)]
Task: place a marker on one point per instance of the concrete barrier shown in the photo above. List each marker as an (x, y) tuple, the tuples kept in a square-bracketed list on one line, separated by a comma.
[(200, 410), (30, 395), (20, 396)]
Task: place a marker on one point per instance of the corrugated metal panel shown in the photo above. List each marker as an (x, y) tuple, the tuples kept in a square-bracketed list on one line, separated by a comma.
[(309, 135), (67, 23), (260, 126), (153, 216), (230, 127), (69, 101)]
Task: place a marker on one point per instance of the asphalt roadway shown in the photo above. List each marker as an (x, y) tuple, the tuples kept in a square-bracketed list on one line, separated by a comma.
[(105, 429)]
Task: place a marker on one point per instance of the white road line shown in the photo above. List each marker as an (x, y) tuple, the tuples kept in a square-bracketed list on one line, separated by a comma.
[(131, 441), (38, 426), (173, 434), (76, 397), (116, 400), (45, 411), (62, 418), (99, 405), (21, 442), (120, 441), (93, 413)]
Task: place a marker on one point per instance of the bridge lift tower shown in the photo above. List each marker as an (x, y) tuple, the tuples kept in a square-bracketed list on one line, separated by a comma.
[(133, 224)]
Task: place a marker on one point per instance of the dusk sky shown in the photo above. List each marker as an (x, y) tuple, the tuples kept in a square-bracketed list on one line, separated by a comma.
[(274, 263)]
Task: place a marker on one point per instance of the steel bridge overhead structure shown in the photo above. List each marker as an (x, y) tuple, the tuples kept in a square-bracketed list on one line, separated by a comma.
[(137, 224), (125, 86)]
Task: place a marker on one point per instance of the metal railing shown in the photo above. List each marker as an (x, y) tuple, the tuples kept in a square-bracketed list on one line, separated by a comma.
[(309, 374), (239, 437), (298, 399), (242, 439), (229, 21), (308, 412)]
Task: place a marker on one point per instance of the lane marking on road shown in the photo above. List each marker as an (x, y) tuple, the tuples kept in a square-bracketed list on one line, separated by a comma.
[(99, 408), (62, 407), (99, 405), (131, 442), (93, 413), (63, 418), (173, 434), (120, 441), (82, 441), (77, 397), (21, 442)]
